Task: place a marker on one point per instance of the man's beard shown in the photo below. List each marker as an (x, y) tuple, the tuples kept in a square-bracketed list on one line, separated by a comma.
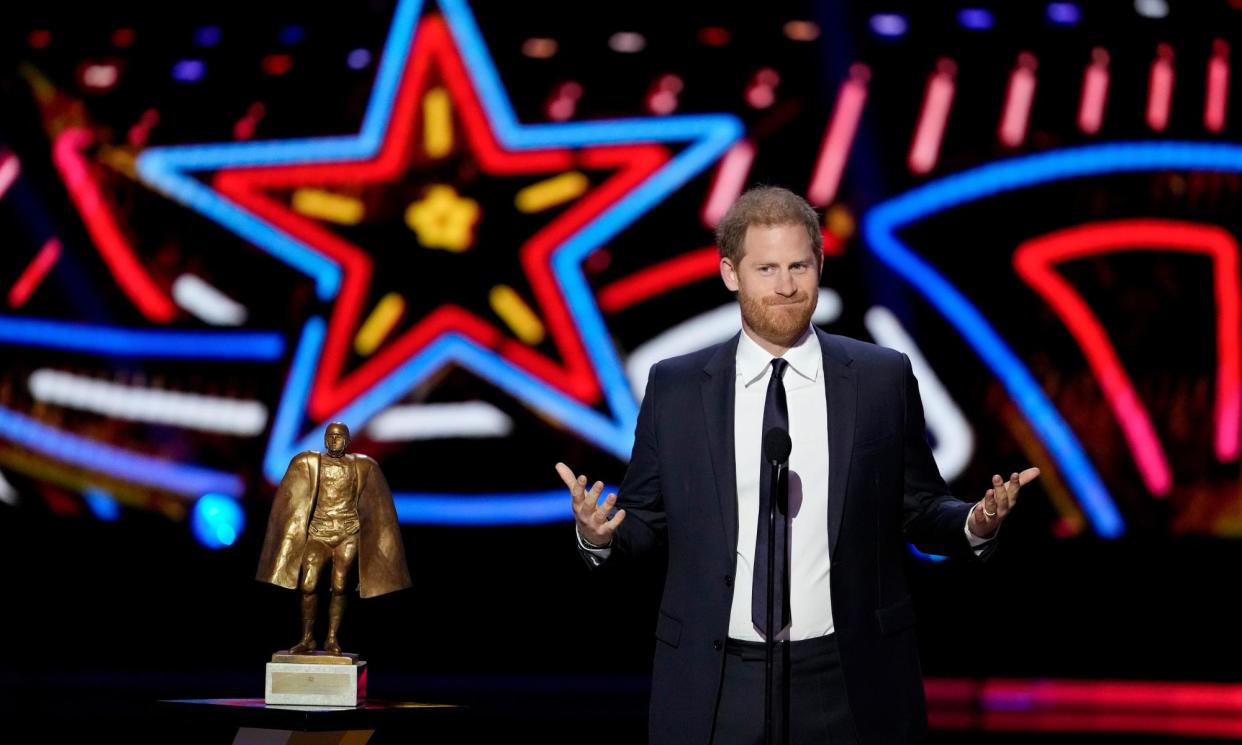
[(777, 319)]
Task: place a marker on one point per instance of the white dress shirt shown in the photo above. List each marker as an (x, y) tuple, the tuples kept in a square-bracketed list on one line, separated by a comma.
[(810, 600)]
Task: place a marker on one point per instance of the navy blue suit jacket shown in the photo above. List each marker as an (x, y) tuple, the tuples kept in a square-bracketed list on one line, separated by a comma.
[(884, 490)]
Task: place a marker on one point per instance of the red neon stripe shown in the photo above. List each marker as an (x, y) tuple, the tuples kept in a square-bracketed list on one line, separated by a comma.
[(838, 140), (937, 101), (1034, 261), (34, 273), (655, 280), (1133, 723), (1160, 88), (1216, 101), (1007, 694), (100, 222), (1018, 98), (728, 182), (670, 274), (1094, 92), (1099, 706)]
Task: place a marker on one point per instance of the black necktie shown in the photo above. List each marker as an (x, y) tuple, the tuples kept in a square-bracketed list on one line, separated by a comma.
[(775, 415)]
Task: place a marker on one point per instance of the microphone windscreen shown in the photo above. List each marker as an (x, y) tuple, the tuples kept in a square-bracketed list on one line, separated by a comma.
[(776, 445)]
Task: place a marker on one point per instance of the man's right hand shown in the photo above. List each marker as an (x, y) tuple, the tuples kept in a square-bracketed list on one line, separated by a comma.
[(590, 514)]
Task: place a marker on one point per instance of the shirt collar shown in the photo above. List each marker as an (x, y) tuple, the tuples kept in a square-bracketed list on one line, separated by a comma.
[(804, 358)]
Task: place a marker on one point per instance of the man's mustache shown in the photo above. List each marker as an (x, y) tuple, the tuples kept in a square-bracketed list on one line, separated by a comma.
[(799, 299)]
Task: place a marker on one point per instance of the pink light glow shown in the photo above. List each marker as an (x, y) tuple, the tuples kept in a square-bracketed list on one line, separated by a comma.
[(1021, 93), (34, 273), (10, 169), (1217, 88), (1160, 88), (1094, 92), (937, 101), (564, 101), (141, 130), (730, 178), (839, 138)]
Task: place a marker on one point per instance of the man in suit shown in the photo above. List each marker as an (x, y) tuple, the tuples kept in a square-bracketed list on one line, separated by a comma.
[(862, 482)]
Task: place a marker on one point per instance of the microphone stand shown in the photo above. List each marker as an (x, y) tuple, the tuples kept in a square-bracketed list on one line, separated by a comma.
[(779, 495)]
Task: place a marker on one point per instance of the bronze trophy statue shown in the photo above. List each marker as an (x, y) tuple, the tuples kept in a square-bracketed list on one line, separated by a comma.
[(332, 509)]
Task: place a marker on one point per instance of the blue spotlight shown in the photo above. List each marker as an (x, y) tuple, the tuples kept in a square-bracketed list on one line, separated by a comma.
[(217, 520)]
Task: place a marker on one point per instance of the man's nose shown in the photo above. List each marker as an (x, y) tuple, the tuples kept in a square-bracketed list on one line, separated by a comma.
[(785, 284)]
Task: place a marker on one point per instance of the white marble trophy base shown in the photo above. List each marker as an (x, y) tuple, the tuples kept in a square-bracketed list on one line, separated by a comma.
[(303, 684)]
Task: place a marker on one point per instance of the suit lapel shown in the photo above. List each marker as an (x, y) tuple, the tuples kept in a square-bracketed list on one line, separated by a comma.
[(841, 393), (718, 393)]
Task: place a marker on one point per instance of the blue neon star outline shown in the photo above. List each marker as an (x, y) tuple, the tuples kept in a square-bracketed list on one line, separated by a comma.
[(881, 226), (170, 170)]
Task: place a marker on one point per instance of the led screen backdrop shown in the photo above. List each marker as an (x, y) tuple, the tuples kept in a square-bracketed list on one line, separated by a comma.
[(468, 231), (219, 243)]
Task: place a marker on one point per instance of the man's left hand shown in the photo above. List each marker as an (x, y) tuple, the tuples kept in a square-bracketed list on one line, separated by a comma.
[(998, 501)]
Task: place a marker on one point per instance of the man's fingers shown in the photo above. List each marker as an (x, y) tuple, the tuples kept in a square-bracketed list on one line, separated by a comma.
[(567, 476), (600, 516), (611, 525), (1028, 476), (596, 488)]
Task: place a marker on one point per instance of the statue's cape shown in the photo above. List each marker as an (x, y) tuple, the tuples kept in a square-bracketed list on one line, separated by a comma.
[(381, 555)]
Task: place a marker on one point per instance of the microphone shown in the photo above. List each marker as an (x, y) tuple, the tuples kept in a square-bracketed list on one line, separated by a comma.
[(776, 446)]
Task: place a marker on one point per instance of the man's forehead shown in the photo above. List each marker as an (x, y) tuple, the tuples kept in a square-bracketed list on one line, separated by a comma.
[(784, 236)]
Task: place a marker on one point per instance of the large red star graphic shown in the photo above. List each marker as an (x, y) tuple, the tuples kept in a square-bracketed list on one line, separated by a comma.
[(435, 60)]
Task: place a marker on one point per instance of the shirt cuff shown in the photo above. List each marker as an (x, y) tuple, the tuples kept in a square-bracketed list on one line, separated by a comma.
[(975, 541), (602, 553)]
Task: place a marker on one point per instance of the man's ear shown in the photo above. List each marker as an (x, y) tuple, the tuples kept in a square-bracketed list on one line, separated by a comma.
[(728, 273)]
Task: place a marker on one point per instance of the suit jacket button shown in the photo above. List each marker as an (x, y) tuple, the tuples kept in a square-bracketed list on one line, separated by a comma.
[(716, 645), (728, 580)]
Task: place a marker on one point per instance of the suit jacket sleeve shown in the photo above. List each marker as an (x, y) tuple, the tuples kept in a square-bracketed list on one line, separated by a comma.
[(640, 496), (932, 519)]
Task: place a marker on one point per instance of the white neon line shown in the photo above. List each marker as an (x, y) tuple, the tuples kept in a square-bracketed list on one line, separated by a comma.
[(1018, 99), (937, 101), (8, 494), (1215, 105), (133, 403), (706, 329), (206, 302), (1160, 89), (472, 419), (1094, 92), (839, 137), (955, 440), (10, 169)]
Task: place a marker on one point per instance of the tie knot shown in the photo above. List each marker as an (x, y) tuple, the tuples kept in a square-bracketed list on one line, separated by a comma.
[(778, 367)]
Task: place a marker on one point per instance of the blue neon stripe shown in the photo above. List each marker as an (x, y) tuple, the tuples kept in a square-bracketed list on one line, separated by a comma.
[(292, 407), (397, 48), (500, 509), (114, 341), (589, 424), (97, 456), (881, 224)]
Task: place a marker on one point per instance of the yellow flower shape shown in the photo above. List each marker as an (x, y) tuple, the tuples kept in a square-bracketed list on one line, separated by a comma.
[(443, 219)]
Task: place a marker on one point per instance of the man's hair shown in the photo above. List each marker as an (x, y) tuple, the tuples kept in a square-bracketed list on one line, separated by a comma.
[(766, 206)]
